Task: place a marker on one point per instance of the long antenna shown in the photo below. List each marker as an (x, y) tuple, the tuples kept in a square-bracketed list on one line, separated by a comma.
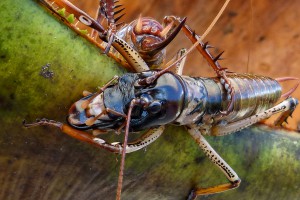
[(121, 171)]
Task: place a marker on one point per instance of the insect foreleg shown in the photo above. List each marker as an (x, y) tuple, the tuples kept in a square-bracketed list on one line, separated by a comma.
[(77, 134), (217, 160), (286, 105), (149, 137)]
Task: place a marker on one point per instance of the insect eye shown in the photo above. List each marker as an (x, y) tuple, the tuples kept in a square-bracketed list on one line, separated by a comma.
[(147, 98), (154, 107)]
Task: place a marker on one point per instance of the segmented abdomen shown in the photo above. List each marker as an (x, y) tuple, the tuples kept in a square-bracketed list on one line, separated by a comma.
[(252, 94)]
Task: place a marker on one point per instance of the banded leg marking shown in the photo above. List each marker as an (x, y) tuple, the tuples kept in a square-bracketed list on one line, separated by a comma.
[(77, 134), (130, 55), (286, 105), (217, 160), (180, 65), (149, 137)]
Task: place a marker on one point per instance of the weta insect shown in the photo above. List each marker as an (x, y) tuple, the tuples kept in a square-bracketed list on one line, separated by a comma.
[(146, 35), (150, 99)]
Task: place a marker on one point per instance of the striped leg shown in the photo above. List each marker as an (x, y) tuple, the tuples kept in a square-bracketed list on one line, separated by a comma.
[(180, 65), (77, 134), (150, 136), (217, 160), (286, 105)]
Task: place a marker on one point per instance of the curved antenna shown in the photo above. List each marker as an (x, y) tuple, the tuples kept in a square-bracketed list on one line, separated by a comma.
[(215, 19), (251, 35), (293, 89), (121, 171)]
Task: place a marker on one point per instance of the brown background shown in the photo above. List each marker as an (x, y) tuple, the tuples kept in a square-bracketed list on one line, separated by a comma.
[(258, 36)]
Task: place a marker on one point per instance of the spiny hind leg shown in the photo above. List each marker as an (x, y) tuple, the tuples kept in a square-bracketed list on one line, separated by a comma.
[(283, 117), (286, 106), (234, 180)]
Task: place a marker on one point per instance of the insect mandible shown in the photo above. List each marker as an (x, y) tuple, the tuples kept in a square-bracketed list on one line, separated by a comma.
[(150, 99)]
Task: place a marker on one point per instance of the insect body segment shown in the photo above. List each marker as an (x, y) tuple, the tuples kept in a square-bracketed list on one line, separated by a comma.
[(179, 99)]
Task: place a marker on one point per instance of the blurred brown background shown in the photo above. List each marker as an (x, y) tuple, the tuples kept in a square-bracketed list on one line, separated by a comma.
[(258, 36)]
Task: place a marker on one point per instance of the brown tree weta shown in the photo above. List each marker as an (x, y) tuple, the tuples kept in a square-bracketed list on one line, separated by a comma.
[(150, 99), (146, 35)]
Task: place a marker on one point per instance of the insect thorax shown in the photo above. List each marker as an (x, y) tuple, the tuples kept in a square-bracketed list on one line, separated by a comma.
[(202, 96)]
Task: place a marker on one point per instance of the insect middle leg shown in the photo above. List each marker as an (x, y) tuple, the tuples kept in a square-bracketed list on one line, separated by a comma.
[(217, 160), (150, 136)]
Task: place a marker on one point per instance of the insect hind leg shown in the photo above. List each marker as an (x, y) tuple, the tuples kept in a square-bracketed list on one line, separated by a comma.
[(234, 180), (284, 116), (286, 106)]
